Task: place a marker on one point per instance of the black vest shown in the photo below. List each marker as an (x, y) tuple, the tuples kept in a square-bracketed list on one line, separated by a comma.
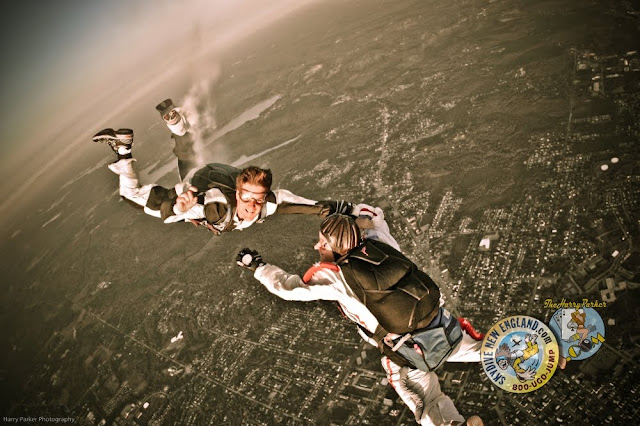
[(398, 294)]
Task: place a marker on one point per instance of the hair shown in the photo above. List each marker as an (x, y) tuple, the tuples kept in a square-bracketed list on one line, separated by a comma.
[(255, 176), (342, 233)]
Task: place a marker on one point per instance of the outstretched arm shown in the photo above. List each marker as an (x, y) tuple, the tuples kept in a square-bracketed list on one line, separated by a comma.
[(283, 284), (289, 203), (373, 224)]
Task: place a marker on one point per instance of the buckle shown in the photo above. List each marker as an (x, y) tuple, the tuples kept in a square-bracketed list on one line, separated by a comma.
[(400, 342)]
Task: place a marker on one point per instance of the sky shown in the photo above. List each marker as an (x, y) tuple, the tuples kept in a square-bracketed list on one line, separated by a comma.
[(67, 62)]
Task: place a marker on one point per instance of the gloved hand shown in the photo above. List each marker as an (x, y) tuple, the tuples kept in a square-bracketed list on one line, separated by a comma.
[(340, 206), (366, 215), (365, 210), (249, 259)]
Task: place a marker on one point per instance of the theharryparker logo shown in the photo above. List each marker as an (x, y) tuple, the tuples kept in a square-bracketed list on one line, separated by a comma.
[(580, 332), (565, 304), (519, 354)]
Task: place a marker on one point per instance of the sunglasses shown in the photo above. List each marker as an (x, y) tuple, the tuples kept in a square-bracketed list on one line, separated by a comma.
[(246, 197)]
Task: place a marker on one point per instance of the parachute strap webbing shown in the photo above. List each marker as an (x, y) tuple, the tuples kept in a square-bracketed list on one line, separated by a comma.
[(315, 268), (379, 335), (385, 346), (227, 222), (401, 342)]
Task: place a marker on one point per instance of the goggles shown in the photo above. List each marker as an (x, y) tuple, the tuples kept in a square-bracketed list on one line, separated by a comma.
[(247, 197)]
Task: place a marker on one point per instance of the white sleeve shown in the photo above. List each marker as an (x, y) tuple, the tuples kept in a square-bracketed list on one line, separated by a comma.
[(380, 231), (195, 212), (366, 338), (214, 195), (181, 187), (326, 285), (285, 196), (291, 287)]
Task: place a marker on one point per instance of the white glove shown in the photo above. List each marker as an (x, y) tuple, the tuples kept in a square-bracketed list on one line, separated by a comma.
[(365, 210)]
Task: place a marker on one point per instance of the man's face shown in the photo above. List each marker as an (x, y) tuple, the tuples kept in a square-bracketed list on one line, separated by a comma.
[(324, 249), (250, 199)]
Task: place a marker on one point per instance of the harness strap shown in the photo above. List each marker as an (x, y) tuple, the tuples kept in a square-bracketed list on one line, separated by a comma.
[(228, 219), (449, 329), (379, 335), (384, 346), (401, 342)]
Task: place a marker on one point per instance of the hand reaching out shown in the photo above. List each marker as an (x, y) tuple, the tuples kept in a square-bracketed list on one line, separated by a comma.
[(187, 199), (249, 259)]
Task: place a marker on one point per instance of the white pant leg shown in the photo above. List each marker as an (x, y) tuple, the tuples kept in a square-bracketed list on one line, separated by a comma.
[(467, 351), (128, 179), (422, 394), (138, 195), (130, 185)]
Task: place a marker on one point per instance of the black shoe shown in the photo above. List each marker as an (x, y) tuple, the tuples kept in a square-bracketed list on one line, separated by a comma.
[(105, 136), (119, 141), (165, 107)]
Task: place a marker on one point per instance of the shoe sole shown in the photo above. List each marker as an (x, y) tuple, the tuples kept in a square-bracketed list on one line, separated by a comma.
[(104, 135), (474, 421)]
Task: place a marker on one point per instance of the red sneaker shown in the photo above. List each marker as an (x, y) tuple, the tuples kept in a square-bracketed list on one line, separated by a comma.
[(466, 326)]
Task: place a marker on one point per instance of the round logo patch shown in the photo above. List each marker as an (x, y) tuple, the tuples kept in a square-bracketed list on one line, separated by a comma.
[(520, 354), (580, 332)]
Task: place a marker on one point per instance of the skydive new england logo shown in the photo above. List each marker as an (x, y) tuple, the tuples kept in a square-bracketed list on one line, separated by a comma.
[(519, 354)]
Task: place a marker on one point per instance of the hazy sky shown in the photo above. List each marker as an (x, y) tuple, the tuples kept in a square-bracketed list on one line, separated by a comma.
[(64, 62)]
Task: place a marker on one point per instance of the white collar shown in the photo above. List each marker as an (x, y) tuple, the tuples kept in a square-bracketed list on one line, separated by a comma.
[(242, 223)]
